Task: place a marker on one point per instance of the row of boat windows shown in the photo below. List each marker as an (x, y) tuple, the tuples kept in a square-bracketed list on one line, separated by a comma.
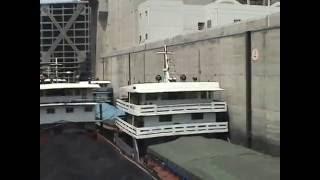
[(69, 110), (179, 95), (63, 92), (168, 118)]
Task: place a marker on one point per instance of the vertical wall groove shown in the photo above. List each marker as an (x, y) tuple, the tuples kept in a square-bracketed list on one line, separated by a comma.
[(248, 90)]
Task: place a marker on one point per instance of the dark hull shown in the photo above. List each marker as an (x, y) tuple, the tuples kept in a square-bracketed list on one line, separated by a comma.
[(75, 151)]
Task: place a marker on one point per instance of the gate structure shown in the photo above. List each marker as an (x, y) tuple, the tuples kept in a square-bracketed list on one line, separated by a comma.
[(65, 36)]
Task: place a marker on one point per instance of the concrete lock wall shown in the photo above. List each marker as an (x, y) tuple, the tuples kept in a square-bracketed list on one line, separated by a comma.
[(219, 55)]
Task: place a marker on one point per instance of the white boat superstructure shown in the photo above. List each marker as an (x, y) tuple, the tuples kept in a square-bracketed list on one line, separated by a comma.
[(67, 102), (171, 108)]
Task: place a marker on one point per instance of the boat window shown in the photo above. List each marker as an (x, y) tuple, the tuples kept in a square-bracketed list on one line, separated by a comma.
[(165, 118), (197, 116), (69, 110), (55, 92), (83, 92), (77, 92), (164, 96), (135, 98), (203, 95), (88, 109), (68, 92), (217, 95), (50, 111), (138, 121), (191, 95), (173, 96), (151, 96), (41, 93)]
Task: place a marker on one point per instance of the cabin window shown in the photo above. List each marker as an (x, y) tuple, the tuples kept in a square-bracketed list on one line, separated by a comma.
[(203, 95), (165, 118), (151, 96), (68, 92), (165, 96), (77, 92), (69, 110), (217, 96), (138, 121), (191, 95), (197, 116), (179, 95), (173, 96), (135, 98), (55, 92), (84, 93), (88, 109), (50, 111), (41, 93)]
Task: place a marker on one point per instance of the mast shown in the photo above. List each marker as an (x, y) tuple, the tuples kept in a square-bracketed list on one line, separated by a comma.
[(166, 64), (56, 65)]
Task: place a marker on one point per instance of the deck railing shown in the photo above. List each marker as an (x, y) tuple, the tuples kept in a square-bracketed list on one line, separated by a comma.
[(151, 110), (171, 130)]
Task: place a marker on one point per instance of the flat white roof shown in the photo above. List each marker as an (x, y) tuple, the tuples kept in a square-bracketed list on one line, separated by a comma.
[(67, 104), (99, 82), (69, 86), (55, 80), (171, 87), (58, 1)]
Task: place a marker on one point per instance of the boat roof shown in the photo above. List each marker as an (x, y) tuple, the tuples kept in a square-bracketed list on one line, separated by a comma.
[(98, 82), (69, 86), (171, 87), (58, 1), (67, 104)]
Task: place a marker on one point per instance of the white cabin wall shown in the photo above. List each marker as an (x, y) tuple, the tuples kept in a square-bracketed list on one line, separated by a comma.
[(150, 121), (60, 114)]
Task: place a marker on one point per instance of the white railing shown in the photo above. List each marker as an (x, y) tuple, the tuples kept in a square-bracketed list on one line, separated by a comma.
[(151, 110), (171, 130)]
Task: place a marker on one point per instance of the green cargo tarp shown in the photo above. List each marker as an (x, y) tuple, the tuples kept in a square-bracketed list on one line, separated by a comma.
[(216, 159)]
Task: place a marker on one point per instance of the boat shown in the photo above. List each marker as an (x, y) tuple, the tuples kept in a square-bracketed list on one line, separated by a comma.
[(161, 111), (63, 102)]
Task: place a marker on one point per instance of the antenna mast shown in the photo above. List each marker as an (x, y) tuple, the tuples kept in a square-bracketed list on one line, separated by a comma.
[(166, 64), (56, 65)]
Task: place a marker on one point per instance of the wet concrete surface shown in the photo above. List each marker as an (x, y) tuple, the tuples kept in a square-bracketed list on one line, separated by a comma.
[(74, 156)]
